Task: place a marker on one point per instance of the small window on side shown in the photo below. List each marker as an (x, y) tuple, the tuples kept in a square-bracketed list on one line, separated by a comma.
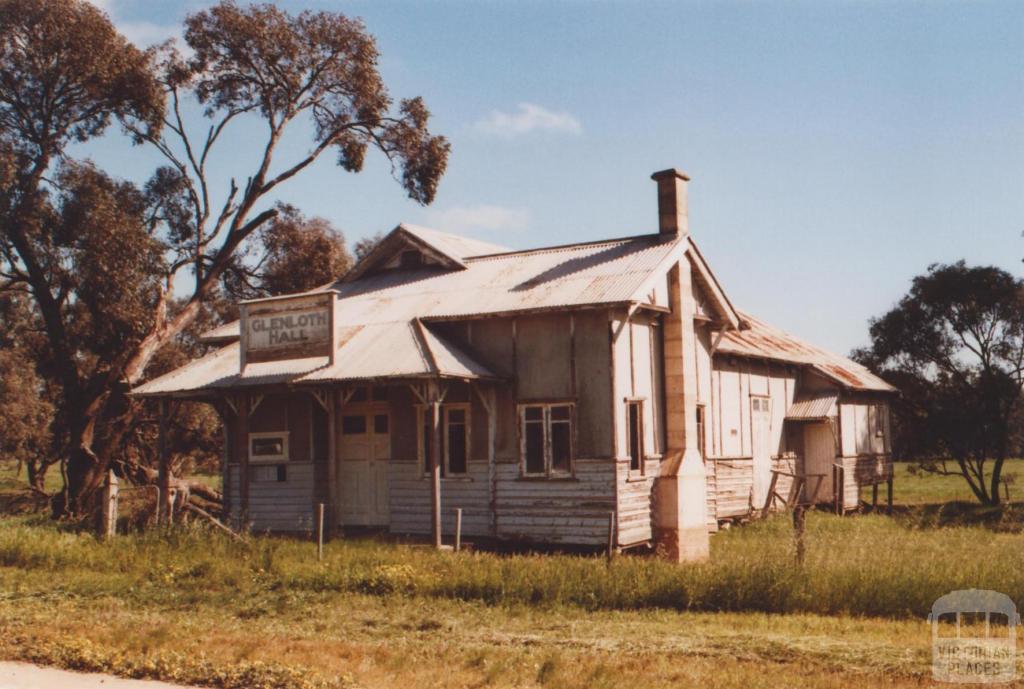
[(635, 435)]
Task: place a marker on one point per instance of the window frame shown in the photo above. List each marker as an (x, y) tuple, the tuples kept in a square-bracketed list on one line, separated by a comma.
[(422, 412), (702, 419), (641, 459), (546, 406), (446, 436), (284, 456)]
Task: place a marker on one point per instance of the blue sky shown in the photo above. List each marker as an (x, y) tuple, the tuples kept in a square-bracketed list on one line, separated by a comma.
[(836, 149)]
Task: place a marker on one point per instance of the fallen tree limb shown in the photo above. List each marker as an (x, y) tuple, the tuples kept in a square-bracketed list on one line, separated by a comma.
[(198, 511)]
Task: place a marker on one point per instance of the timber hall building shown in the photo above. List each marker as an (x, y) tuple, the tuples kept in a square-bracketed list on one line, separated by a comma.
[(543, 392)]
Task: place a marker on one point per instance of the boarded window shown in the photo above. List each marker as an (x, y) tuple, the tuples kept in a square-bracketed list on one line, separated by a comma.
[(547, 439), (635, 435)]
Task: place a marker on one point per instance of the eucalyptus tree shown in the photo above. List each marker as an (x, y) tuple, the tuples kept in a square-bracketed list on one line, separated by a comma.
[(954, 346), (106, 262)]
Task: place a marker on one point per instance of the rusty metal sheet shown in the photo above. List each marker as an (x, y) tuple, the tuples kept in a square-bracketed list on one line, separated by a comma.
[(812, 406), (764, 341)]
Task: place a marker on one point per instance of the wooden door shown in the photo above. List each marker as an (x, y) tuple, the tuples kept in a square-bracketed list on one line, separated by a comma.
[(819, 455), (363, 453), (760, 434)]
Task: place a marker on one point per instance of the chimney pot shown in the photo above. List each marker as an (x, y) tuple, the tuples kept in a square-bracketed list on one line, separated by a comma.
[(673, 211)]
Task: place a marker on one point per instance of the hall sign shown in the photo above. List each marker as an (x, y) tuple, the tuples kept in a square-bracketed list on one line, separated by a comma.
[(287, 328)]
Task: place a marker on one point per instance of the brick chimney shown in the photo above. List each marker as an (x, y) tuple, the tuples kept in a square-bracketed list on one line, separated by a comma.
[(673, 213)]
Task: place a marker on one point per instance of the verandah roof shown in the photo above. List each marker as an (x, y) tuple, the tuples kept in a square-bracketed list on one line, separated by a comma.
[(365, 352)]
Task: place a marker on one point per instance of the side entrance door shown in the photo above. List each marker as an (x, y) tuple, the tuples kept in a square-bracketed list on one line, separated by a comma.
[(819, 455), (364, 449), (761, 426)]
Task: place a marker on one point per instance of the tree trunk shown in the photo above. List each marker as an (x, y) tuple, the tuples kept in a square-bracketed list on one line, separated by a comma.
[(36, 474)]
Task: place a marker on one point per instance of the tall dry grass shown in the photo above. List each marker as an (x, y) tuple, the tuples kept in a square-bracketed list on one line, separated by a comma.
[(868, 565)]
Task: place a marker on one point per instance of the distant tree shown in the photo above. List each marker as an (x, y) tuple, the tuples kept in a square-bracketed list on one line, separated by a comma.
[(954, 345), (366, 245), (102, 259), (295, 254)]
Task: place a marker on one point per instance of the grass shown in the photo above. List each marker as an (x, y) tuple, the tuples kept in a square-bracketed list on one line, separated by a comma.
[(921, 488), (193, 606)]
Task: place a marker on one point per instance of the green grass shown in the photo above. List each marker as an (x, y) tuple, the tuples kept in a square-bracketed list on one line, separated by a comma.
[(922, 488), (193, 606)]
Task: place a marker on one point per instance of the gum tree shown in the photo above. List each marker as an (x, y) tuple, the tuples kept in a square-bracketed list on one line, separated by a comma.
[(106, 263), (954, 345)]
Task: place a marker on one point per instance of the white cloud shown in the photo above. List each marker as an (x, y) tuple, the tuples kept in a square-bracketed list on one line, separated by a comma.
[(481, 218), (528, 118)]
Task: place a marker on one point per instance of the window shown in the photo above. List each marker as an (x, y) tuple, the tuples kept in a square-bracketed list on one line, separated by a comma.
[(546, 441), (456, 434), (353, 424), (635, 434), (877, 420), (380, 424), (700, 431), (454, 439), (268, 447)]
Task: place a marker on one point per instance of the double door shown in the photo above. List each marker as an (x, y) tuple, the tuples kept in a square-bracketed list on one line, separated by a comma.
[(364, 449)]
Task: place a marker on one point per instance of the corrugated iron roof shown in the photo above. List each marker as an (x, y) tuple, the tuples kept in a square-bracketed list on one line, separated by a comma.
[(811, 406), (378, 350), (615, 271), (454, 245), (764, 341)]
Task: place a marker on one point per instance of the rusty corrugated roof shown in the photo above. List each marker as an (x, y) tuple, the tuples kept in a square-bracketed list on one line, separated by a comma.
[(811, 406), (764, 341)]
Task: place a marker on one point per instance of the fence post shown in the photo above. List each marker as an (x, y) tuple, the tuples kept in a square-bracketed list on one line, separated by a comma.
[(611, 535), (320, 532), (799, 522), (108, 522), (458, 529)]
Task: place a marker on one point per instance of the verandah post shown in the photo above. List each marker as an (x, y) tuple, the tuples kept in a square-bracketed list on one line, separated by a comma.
[(435, 470)]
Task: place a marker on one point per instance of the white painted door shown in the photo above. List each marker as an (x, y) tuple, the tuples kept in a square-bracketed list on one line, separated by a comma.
[(761, 428), (819, 455), (363, 453)]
